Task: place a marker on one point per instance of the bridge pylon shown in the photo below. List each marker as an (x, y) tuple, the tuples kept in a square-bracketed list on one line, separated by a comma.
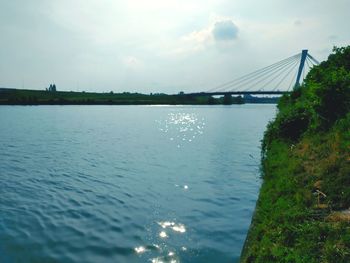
[(304, 55)]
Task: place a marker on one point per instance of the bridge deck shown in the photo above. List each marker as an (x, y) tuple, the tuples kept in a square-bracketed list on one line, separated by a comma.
[(238, 93)]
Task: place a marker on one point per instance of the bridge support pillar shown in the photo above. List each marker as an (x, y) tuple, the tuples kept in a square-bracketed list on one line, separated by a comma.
[(304, 55)]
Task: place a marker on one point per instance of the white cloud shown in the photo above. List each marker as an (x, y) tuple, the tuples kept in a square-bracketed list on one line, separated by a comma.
[(219, 29), (194, 42)]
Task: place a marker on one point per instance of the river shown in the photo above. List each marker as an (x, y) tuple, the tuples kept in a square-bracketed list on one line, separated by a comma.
[(128, 183)]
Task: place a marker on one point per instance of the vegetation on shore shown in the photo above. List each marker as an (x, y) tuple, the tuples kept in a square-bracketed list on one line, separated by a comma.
[(302, 214), (53, 97)]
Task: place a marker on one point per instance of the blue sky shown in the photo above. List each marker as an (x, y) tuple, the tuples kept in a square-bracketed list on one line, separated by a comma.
[(158, 45)]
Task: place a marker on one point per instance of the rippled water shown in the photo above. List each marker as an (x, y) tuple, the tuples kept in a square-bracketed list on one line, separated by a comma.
[(128, 183)]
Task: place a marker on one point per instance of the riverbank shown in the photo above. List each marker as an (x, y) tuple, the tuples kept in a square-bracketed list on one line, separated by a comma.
[(49, 97), (42, 97), (302, 213)]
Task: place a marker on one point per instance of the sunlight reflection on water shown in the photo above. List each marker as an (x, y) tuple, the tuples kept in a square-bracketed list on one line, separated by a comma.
[(182, 127), (164, 252)]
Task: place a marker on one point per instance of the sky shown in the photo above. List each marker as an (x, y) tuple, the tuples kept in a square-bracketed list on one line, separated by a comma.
[(158, 46)]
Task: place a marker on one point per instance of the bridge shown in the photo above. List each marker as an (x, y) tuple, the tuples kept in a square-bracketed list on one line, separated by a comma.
[(276, 79)]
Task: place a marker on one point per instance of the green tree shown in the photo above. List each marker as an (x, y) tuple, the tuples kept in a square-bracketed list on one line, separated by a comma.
[(227, 99), (211, 100)]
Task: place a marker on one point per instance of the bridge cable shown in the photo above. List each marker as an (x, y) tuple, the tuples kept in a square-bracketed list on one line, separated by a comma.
[(270, 72), (286, 75), (307, 62), (304, 72), (292, 80), (262, 79), (262, 75), (313, 59), (255, 72), (260, 71), (311, 62), (275, 78), (253, 75)]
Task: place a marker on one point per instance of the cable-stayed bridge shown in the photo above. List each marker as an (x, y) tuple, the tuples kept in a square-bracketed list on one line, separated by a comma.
[(276, 79)]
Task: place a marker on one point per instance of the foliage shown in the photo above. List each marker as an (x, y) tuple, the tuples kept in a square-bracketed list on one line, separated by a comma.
[(53, 97), (306, 150), (227, 99), (323, 99)]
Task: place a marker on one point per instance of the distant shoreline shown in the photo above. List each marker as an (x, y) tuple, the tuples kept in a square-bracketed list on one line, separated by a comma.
[(42, 97)]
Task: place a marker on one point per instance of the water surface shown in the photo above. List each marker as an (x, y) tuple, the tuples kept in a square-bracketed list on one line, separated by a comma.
[(128, 183)]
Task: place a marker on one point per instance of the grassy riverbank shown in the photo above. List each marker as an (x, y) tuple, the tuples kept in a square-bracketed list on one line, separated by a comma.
[(302, 213)]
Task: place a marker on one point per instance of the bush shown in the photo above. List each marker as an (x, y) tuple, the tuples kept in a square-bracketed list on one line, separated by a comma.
[(329, 85), (306, 148), (334, 97), (323, 99), (290, 124)]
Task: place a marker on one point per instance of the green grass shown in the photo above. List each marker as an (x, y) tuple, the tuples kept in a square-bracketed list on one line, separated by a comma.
[(288, 226), (306, 149)]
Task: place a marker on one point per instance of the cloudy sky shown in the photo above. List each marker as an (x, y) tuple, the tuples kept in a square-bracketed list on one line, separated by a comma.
[(158, 45)]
